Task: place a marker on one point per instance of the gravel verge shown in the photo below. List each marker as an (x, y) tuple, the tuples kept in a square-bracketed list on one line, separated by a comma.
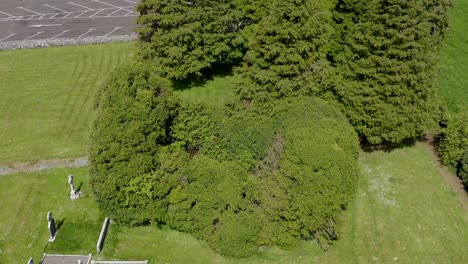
[(42, 43), (26, 167)]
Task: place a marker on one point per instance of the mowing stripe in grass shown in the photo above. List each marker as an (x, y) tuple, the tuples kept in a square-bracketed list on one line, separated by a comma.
[(46, 106)]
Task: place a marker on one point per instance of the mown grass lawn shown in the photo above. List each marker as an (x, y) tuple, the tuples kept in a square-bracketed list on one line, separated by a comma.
[(453, 80), (403, 212), (47, 96)]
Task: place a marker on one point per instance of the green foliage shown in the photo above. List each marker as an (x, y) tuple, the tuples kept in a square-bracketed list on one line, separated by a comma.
[(387, 61), (185, 39), (286, 54), (310, 173), (237, 183), (463, 168), (131, 123), (453, 143), (252, 182), (193, 127), (274, 169), (209, 203), (454, 139)]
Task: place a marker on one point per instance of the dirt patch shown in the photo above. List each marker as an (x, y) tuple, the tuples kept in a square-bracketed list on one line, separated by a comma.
[(43, 165), (452, 180)]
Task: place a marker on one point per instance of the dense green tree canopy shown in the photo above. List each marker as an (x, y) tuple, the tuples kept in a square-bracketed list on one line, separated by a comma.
[(286, 54), (277, 165), (154, 159), (184, 39), (387, 61), (131, 123)]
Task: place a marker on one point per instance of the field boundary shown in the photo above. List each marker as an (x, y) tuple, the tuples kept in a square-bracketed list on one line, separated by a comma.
[(27, 167), (43, 43)]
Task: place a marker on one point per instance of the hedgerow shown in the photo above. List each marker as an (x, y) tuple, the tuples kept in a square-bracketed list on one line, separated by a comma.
[(453, 144)]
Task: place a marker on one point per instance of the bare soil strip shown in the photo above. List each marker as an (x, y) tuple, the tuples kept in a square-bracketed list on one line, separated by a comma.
[(25, 167)]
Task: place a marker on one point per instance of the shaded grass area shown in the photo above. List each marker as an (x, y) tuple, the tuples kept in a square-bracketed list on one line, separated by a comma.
[(402, 212), (453, 80), (47, 98), (215, 92)]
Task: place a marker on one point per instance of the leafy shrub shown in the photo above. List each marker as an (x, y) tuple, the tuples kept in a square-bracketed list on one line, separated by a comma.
[(235, 183), (454, 139), (316, 173), (453, 143), (301, 173), (131, 123), (463, 169)]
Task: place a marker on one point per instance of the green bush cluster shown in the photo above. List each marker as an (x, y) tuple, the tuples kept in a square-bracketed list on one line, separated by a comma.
[(277, 165), (131, 123), (237, 183), (385, 56), (376, 58), (453, 144)]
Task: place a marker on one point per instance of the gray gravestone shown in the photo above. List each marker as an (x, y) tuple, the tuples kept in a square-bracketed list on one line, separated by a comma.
[(51, 226), (72, 187)]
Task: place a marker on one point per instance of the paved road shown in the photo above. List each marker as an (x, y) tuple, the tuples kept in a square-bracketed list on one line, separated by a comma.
[(55, 19)]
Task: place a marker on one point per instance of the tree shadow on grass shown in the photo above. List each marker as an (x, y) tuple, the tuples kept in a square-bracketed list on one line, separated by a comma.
[(206, 76), (387, 146), (60, 223)]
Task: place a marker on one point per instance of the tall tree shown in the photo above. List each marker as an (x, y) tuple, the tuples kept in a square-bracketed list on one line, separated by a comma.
[(185, 38), (387, 61), (286, 54)]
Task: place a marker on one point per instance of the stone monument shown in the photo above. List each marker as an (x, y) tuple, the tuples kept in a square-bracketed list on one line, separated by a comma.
[(74, 194), (52, 228)]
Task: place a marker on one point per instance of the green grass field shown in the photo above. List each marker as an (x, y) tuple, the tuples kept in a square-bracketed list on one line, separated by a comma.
[(453, 81), (46, 105), (403, 211)]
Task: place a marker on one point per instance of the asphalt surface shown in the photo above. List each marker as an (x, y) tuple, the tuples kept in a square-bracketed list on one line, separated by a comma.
[(22, 20)]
